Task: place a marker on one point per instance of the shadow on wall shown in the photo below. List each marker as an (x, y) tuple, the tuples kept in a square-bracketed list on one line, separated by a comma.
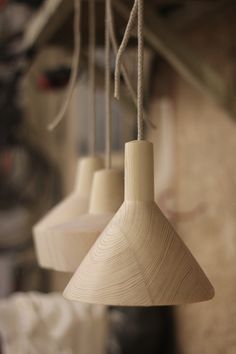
[(136, 330)]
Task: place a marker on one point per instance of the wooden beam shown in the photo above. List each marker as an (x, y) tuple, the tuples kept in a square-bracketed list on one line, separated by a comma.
[(46, 22), (186, 61)]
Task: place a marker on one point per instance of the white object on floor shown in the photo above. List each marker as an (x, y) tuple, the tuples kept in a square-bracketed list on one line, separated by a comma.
[(33, 323)]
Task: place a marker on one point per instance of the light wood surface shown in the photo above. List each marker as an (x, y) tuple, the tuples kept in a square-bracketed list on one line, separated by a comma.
[(139, 260), (72, 206), (107, 191), (71, 241)]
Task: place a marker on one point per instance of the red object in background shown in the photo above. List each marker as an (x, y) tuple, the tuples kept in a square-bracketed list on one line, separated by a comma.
[(54, 79), (6, 162), (3, 3), (43, 82)]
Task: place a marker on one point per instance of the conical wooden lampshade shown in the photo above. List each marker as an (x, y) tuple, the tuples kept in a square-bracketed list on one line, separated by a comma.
[(139, 260), (71, 241), (75, 204)]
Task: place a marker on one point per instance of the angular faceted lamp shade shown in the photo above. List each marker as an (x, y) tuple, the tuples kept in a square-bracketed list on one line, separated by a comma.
[(75, 204), (139, 260), (71, 241)]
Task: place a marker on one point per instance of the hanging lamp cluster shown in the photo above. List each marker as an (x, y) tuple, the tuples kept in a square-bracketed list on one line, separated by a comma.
[(78, 202), (69, 239), (133, 256), (72, 240)]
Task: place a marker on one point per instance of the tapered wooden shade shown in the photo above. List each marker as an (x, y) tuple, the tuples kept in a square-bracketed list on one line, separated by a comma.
[(139, 260), (72, 206), (71, 241)]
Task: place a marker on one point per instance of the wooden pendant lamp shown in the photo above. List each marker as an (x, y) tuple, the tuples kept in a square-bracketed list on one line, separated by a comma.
[(139, 260), (78, 202), (72, 206), (71, 241)]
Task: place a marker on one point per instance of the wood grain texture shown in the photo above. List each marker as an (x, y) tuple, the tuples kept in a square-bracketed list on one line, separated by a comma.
[(71, 241), (139, 260), (72, 206)]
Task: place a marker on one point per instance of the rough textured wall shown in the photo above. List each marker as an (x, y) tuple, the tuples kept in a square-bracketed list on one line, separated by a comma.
[(204, 180), (206, 175)]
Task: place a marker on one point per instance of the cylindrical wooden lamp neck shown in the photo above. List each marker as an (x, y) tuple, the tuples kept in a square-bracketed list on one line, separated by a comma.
[(107, 193), (139, 171), (85, 171)]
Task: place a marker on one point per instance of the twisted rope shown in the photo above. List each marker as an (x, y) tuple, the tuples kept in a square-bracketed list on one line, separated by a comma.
[(92, 79), (123, 46), (74, 67), (140, 70), (108, 84)]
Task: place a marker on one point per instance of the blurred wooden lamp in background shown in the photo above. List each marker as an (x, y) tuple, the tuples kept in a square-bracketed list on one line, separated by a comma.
[(72, 206)]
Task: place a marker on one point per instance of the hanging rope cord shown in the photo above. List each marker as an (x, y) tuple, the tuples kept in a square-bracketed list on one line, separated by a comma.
[(75, 64), (137, 11), (74, 67), (108, 85), (122, 48), (140, 71), (123, 67), (92, 78)]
